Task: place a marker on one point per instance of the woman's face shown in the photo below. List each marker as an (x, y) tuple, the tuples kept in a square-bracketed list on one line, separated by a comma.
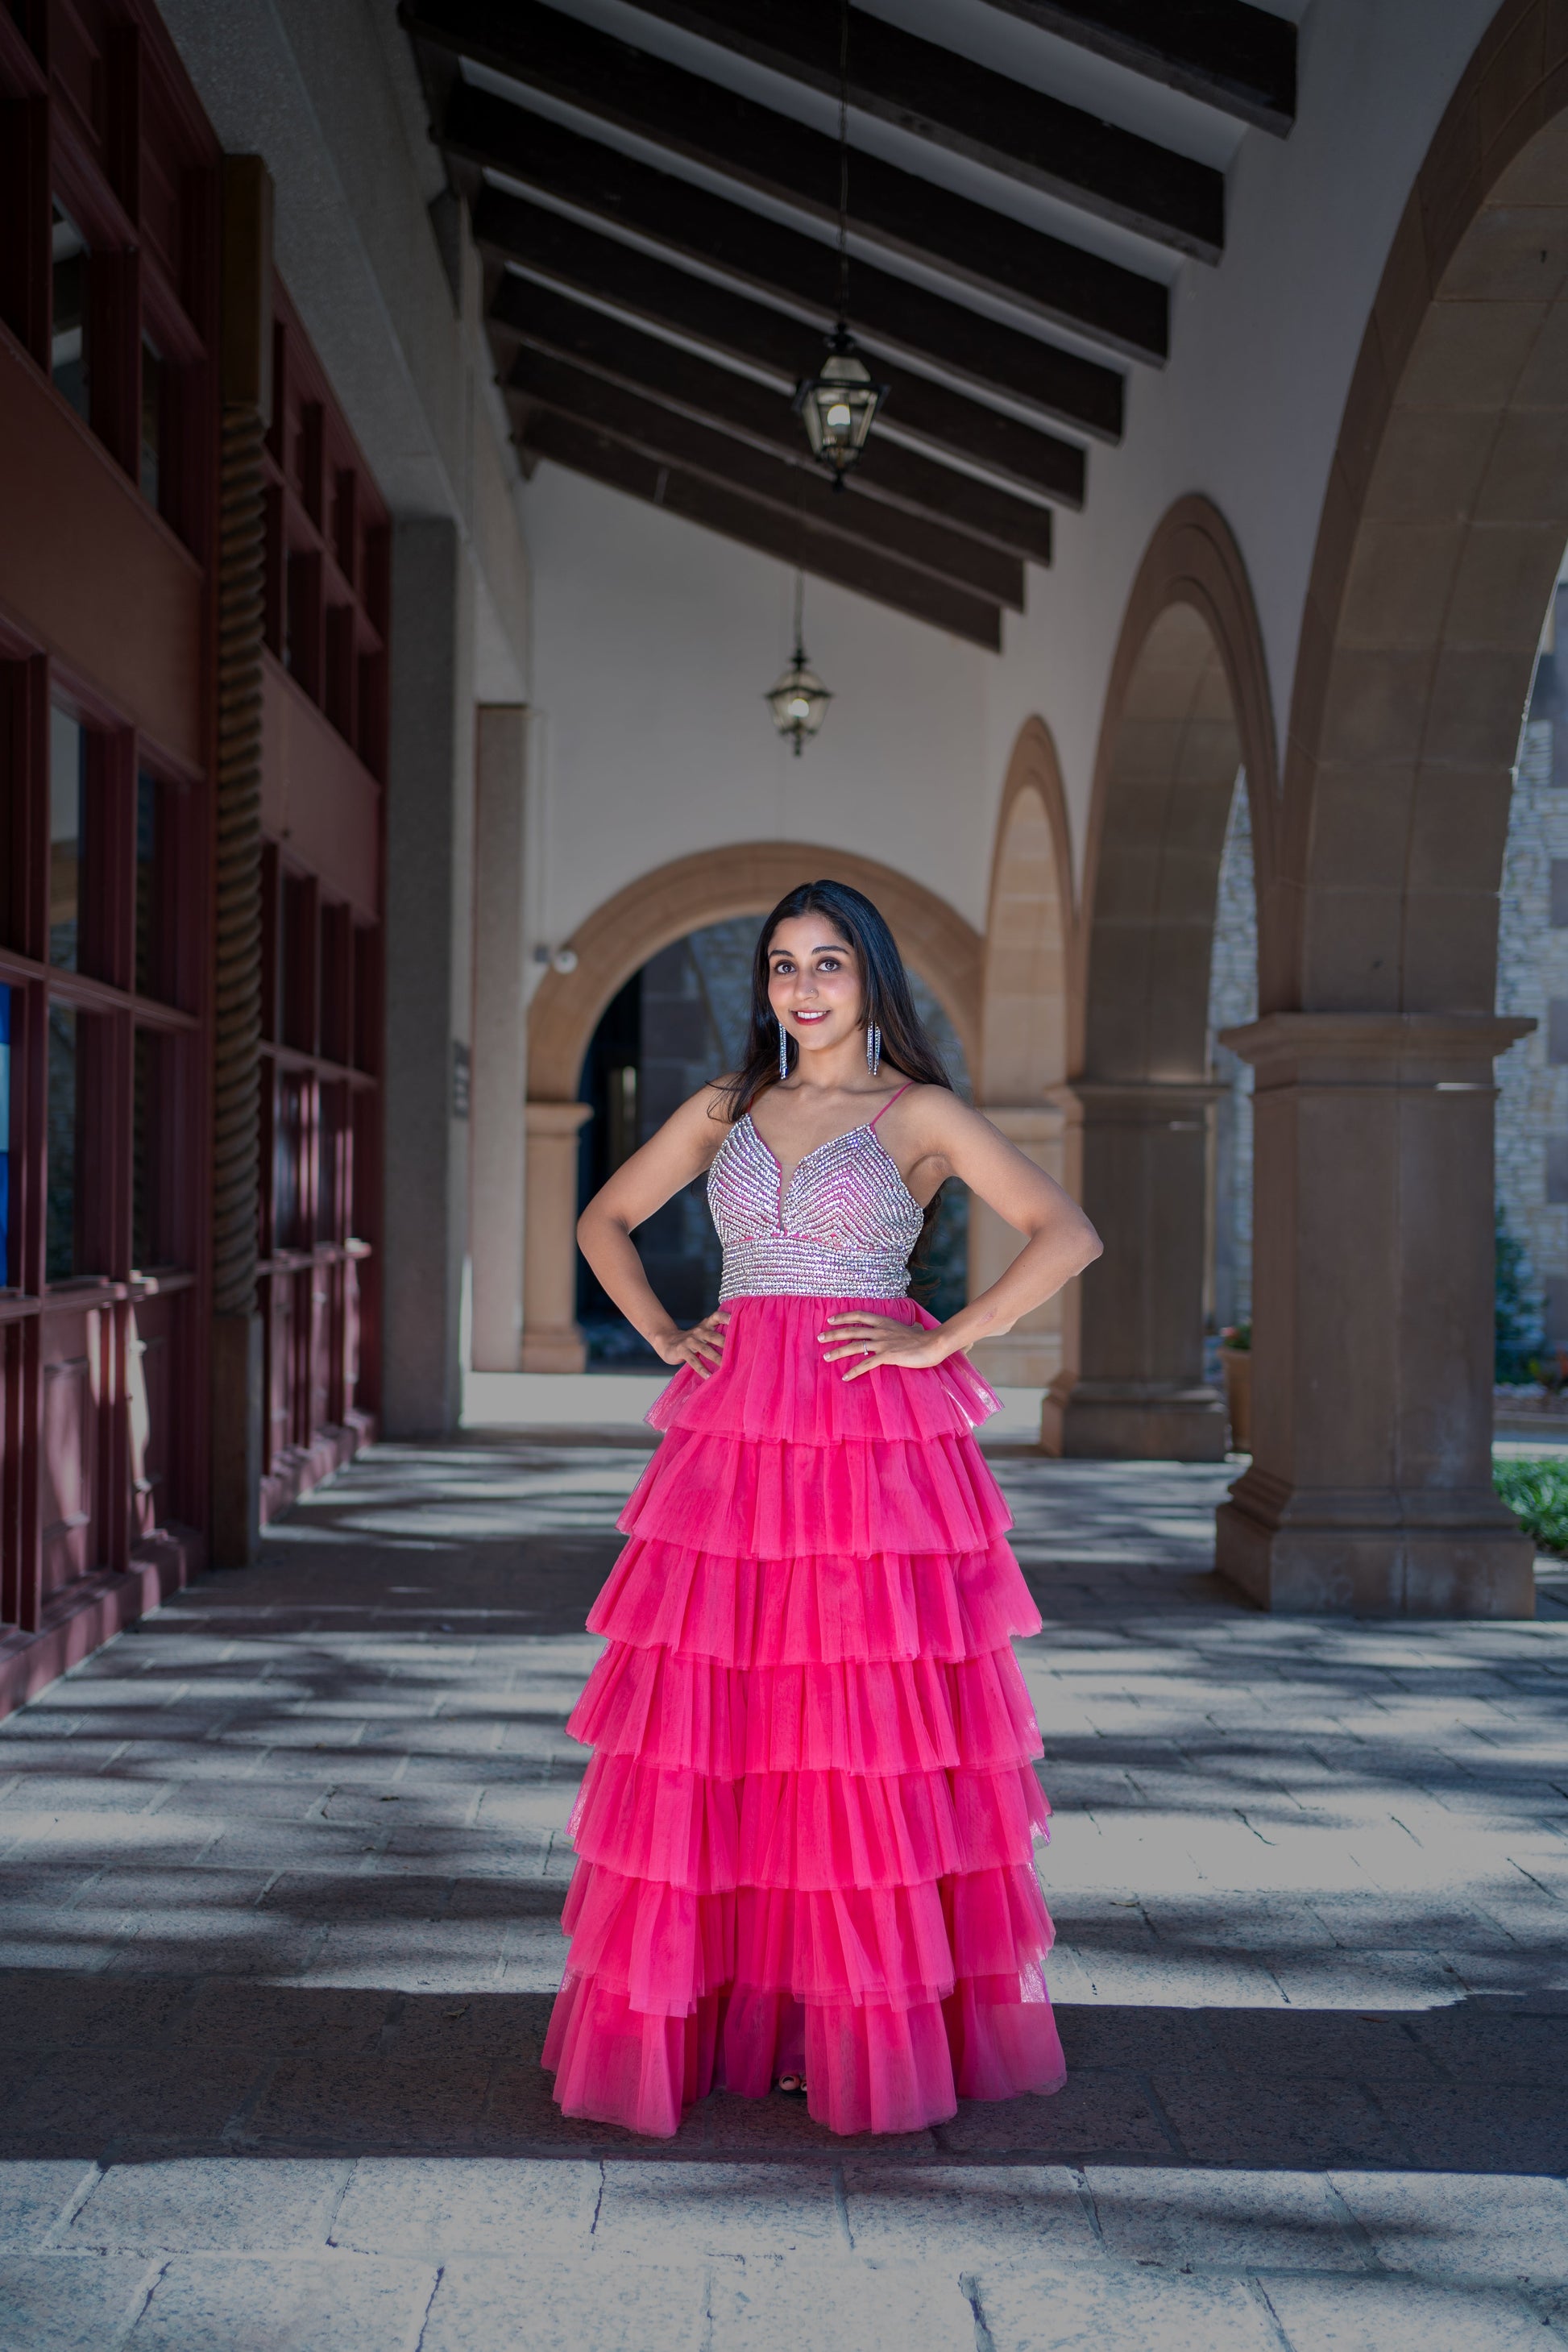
[(813, 983)]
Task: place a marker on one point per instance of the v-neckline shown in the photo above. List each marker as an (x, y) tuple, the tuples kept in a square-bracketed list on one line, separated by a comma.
[(866, 1127)]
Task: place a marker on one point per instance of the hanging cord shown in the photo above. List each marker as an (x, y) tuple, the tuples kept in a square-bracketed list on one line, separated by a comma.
[(799, 613), (844, 160)]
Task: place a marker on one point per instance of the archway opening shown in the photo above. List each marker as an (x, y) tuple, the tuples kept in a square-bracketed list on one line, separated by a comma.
[(1025, 1026), (680, 1020), (1187, 715)]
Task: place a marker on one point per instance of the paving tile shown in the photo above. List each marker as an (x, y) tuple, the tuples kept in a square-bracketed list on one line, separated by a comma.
[(239, 2014), (1323, 2045), (34, 2196), (443, 2207), (1501, 2129), (1092, 2115), (78, 2093), (1222, 2219), (341, 2304), (1306, 2126), (1456, 2225), (70, 2302), (766, 2210), (208, 2204), (1371, 2314), (968, 2216), (601, 2304), (345, 2102), (1082, 2309), (830, 2305), (49, 2009)]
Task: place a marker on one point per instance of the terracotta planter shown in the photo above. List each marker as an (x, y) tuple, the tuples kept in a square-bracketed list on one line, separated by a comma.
[(1237, 1362)]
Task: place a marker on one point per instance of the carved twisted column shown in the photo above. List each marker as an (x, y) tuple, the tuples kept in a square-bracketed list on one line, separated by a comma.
[(247, 344)]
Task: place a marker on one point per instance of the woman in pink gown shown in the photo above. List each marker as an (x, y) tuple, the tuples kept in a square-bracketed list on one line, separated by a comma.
[(804, 1838)]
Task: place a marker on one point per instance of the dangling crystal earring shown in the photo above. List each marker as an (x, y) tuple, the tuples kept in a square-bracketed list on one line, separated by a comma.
[(784, 1053), (873, 1047)]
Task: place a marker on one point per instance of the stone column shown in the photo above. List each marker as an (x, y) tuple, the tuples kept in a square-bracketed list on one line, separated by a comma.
[(429, 977), (246, 383), (1030, 1354), (1370, 1491), (499, 1038), (551, 1341), (1133, 1388)]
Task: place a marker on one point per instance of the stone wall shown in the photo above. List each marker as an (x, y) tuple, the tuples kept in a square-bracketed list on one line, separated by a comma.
[(1232, 999), (1532, 980)]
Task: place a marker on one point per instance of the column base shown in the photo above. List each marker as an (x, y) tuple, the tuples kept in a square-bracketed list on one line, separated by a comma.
[(555, 1351), (1385, 1553), (1133, 1420)]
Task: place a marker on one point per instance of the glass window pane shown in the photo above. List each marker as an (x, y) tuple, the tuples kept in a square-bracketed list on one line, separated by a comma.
[(5, 1274), (64, 1254), (154, 1238), (334, 1186), (151, 420), (154, 940), (289, 1170), (68, 355), (68, 796)]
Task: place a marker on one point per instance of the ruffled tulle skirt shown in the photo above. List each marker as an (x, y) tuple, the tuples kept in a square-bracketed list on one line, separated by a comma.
[(806, 1835)]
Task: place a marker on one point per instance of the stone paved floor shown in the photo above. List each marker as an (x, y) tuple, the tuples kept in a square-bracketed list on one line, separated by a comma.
[(280, 1872)]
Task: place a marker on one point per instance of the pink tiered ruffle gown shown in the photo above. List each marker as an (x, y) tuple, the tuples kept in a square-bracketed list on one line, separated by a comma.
[(804, 1838)]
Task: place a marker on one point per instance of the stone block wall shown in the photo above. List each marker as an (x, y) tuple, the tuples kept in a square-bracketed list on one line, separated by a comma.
[(1532, 980), (1232, 999)]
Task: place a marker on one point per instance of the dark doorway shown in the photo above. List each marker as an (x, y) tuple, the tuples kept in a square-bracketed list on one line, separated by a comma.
[(677, 1024)]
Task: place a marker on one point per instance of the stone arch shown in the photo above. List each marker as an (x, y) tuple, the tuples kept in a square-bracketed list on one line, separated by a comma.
[(616, 940), (1025, 1019), (746, 878), (1186, 707), (1025, 1026), (1444, 521)]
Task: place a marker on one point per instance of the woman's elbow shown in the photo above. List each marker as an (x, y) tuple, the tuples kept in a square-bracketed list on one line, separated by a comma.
[(590, 1224), (1090, 1246)]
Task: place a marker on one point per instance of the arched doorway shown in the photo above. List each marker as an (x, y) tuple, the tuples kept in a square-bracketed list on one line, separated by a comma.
[(1443, 528), (1025, 1030), (687, 897), (1187, 710), (680, 1020)]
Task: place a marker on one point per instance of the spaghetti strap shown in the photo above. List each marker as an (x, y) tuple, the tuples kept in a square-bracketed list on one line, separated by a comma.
[(890, 1101)]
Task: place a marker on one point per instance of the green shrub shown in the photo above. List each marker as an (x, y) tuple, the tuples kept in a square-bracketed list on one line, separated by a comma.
[(1536, 1491)]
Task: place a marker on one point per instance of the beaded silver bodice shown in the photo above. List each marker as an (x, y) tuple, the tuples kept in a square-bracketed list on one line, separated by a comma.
[(843, 1227)]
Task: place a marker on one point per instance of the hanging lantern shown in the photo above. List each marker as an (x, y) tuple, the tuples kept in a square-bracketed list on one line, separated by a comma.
[(839, 405), (799, 701)]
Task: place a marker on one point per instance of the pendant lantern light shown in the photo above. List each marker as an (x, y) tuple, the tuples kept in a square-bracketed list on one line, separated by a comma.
[(839, 405), (798, 700)]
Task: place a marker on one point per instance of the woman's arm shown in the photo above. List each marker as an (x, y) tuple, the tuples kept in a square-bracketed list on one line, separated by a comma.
[(941, 1135), (682, 1149)]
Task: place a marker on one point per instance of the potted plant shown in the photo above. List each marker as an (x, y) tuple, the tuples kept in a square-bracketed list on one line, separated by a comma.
[(1236, 1356)]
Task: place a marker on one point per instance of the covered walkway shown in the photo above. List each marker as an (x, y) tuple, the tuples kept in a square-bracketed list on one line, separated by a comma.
[(282, 1868)]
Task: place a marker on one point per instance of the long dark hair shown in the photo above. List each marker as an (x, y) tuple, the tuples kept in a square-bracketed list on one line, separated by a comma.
[(906, 1046)]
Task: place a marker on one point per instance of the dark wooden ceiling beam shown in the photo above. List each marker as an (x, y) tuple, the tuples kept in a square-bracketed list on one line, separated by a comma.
[(791, 540), (738, 406), (1020, 132), (482, 133), (1239, 58), (567, 254), (541, 49), (544, 381)]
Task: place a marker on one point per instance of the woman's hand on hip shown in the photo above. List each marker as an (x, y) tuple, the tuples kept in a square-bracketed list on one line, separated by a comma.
[(702, 1347), (873, 1339)]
